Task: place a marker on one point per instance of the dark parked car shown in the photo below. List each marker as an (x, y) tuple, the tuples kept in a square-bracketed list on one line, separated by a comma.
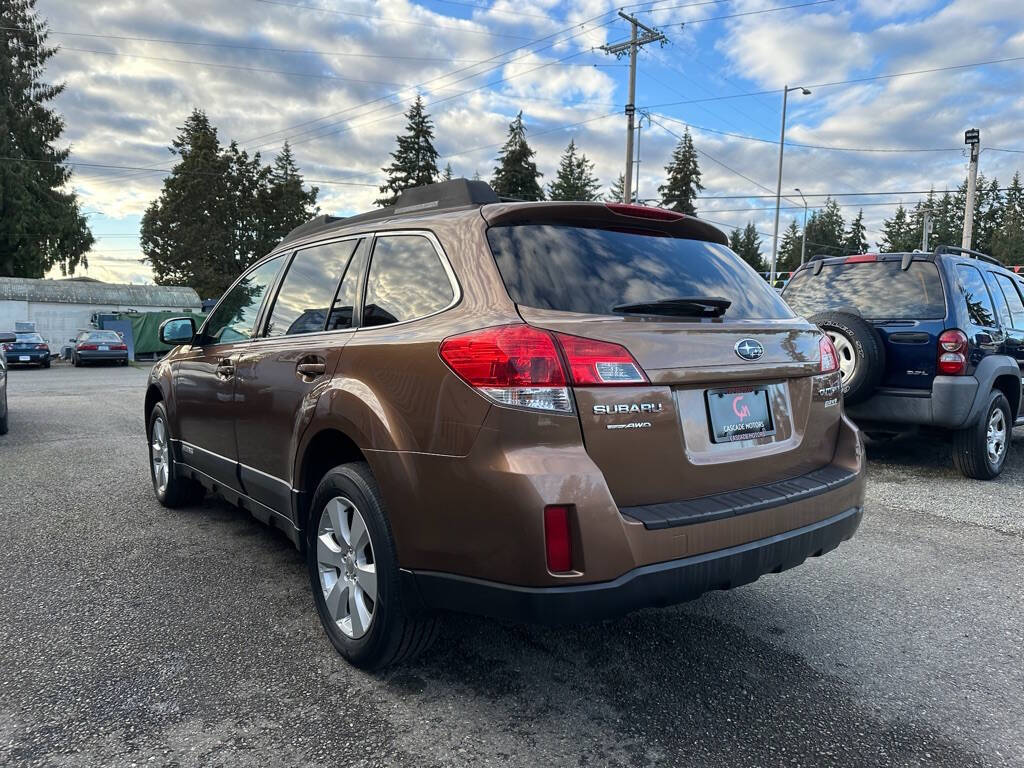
[(925, 340), (550, 412), (5, 339), (99, 347), (28, 349)]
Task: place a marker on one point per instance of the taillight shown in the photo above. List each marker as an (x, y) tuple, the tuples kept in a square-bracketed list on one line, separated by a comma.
[(520, 365), (557, 539), (952, 353), (512, 364), (599, 363), (644, 211), (861, 258), (87, 347), (121, 347), (42, 346), (829, 356)]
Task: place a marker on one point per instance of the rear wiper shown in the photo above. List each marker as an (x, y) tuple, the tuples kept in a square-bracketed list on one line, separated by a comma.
[(684, 306)]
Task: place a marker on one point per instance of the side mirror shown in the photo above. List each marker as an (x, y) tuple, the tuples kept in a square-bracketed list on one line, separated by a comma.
[(177, 330), (7, 338)]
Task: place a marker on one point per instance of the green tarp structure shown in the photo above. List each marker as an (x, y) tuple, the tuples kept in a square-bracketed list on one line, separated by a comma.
[(146, 325)]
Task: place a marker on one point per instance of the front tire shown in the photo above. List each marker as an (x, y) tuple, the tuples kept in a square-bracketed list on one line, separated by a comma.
[(979, 451), (353, 571), (171, 490)]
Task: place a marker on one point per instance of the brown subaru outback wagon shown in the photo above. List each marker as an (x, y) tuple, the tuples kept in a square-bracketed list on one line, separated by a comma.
[(552, 412)]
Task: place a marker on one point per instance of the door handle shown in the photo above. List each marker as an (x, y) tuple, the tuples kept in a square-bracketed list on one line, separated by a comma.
[(311, 369), (226, 368)]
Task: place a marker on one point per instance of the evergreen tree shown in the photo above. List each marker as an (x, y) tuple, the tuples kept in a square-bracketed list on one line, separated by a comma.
[(747, 245), (516, 175), (826, 230), (41, 225), (414, 162), (683, 183), (575, 179), (615, 191), (788, 257), (447, 174), (1008, 240), (285, 203), (898, 233), (855, 240)]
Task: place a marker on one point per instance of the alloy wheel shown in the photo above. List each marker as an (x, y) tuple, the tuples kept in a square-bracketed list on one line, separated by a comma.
[(996, 437), (847, 355), (347, 568), (159, 450)]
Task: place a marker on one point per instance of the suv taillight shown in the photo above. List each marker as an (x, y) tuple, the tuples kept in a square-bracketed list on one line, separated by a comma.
[(952, 353), (522, 366), (829, 356)]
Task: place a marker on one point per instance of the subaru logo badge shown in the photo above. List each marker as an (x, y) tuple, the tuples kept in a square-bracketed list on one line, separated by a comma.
[(749, 349)]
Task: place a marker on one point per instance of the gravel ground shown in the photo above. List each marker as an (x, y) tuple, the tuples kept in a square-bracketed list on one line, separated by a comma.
[(135, 635)]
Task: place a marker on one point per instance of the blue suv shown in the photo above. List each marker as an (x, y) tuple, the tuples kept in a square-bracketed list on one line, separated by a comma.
[(925, 340)]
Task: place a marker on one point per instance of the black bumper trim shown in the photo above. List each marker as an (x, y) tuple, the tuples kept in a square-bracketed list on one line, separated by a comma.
[(717, 506), (660, 584)]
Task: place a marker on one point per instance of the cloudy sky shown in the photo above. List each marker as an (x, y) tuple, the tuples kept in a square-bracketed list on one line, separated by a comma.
[(334, 77)]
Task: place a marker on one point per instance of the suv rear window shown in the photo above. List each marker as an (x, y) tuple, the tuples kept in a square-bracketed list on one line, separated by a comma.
[(878, 290), (590, 271)]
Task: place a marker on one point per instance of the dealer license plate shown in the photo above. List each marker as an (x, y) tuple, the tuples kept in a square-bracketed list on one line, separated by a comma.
[(739, 414)]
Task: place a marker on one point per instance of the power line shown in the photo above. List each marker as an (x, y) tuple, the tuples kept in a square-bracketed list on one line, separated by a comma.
[(556, 129), (838, 194), (735, 15)]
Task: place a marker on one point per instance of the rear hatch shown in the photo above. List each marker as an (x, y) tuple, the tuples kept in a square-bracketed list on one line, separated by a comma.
[(730, 395), (901, 294)]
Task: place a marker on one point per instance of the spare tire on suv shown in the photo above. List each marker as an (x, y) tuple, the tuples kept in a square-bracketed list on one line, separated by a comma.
[(860, 350)]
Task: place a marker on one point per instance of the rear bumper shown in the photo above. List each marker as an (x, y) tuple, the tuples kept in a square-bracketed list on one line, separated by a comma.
[(948, 404), (34, 358), (106, 356), (660, 584)]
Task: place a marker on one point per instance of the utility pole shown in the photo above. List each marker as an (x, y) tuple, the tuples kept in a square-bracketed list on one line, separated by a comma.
[(803, 235), (972, 138), (778, 186), (618, 50), (926, 228), (639, 130)]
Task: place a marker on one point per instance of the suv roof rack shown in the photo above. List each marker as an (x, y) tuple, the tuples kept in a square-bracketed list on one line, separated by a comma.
[(967, 252), (457, 193)]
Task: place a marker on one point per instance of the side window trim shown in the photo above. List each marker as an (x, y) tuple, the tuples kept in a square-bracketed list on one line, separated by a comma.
[(442, 257)]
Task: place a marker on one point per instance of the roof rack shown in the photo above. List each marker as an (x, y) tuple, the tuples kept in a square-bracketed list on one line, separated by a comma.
[(457, 193), (967, 252)]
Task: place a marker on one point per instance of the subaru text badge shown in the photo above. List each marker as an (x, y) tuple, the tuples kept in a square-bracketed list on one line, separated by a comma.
[(749, 349)]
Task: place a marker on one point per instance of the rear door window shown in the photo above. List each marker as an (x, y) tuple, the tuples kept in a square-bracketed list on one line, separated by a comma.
[(308, 289), (343, 311), (407, 280), (979, 303), (878, 290), (1013, 301), (591, 270)]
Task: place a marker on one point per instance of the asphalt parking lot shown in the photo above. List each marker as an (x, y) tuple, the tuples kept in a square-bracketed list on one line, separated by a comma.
[(134, 635)]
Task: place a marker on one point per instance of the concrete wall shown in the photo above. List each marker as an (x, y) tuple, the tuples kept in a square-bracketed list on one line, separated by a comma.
[(58, 322)]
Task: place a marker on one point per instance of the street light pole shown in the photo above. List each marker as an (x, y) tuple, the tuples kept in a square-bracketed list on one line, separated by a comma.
[(778, 186), (803, 236)]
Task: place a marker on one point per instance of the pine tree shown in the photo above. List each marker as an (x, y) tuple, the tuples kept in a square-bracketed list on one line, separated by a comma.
[(414, 162), (285, 203), (747, 245), (447, 174), (855, 240), (516, 175), (41, 225), (825, 230), (788, 257), (898, 233), (575, 179), (615, 191), (683, 183), (1008, 240)]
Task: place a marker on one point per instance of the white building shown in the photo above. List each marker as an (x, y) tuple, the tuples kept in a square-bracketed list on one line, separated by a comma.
[(60, 308)]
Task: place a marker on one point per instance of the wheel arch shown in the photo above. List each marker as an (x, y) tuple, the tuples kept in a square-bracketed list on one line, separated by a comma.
[(323, 451), (1009, 385), (154, 395)]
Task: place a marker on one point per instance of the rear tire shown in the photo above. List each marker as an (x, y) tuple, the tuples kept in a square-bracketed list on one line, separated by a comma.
[(860, 350), (979, 451), (46, 364), (353, 571), (171, 490)]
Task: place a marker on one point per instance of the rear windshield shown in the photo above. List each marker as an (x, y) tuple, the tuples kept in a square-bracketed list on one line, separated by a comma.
[(29, 337), (103, 336), (576, 269), (878, 290)]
